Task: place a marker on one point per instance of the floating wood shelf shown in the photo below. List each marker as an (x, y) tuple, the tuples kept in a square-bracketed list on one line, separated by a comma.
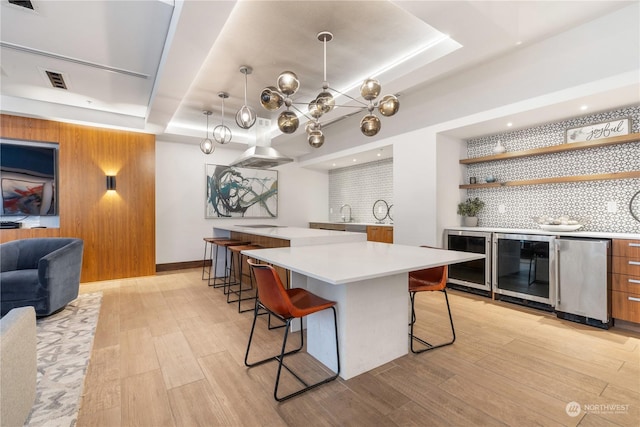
[(572, 146), (559, 179)]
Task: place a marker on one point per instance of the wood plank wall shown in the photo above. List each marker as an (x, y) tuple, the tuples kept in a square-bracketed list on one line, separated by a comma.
[(118, 228)]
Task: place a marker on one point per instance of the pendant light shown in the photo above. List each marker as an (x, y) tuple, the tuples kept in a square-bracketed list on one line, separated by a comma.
[(221, 133), (206, 145), (246, 116), (272, 98)]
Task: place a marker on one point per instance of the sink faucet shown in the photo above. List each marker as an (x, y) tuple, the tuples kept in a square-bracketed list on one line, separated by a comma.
[(346, 219)]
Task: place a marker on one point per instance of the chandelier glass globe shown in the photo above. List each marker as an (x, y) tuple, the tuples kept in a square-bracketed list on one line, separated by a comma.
[(288, 122), (271, 99), (370, 89), (288, 82), (389, 105), (370, 125), (316, 139)]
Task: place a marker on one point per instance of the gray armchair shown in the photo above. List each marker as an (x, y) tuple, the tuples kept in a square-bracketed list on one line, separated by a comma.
[(42, 272)]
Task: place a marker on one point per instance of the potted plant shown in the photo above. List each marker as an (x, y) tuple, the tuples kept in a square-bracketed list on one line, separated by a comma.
[(469, 210)]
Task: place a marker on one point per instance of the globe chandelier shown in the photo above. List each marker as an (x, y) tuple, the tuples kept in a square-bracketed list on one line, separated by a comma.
[(287, 84), (206, 146), (246, 116), (221, 133)]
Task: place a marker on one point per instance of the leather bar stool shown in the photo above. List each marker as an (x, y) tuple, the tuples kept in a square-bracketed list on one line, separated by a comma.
[(224, 244), (428, 280), (209, 243), (236, 276), (287, 305)]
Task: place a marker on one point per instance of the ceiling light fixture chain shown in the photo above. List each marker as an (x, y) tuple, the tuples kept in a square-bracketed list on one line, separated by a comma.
[(272, 98), (246, 116), (206, 145), (221, 133)]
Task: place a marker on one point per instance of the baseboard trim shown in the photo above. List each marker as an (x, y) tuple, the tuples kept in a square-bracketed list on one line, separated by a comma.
[(181, 265)]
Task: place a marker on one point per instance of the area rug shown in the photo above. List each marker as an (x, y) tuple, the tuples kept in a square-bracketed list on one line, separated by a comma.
[(65, 340)]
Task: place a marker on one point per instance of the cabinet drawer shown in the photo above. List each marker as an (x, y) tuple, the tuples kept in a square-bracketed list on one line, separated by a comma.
[(623, 265), (625, 306), (626, 283), (628, 248)]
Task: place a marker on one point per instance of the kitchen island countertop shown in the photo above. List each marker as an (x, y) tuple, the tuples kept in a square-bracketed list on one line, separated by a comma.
[(297, 236)]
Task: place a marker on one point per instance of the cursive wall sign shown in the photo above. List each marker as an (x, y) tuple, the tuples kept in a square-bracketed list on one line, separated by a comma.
[(599, 131)]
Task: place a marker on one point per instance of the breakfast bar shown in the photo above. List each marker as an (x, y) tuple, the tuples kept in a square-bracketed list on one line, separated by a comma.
[(369, 282)]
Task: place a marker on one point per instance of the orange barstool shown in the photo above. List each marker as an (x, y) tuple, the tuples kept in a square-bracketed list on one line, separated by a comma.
[(428, 280), (209, 243), (236, 276), (224, 244), (287, 304)]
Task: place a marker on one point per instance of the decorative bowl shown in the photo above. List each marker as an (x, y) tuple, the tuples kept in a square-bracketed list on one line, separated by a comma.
[(560, 227)]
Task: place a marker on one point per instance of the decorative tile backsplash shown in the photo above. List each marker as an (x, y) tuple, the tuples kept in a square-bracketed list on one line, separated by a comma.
[(360, 186), (587, 201)]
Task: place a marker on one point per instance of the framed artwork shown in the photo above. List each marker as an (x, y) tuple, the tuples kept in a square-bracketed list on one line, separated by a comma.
[(241, 192), (598, 131), (27, 197)]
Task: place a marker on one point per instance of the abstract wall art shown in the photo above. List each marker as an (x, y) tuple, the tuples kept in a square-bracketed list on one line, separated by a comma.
[(241, 192)]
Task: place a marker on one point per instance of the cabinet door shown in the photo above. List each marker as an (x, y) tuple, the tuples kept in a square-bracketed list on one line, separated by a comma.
[(388, 234), (626, 248), (625, 306), (373, 233)]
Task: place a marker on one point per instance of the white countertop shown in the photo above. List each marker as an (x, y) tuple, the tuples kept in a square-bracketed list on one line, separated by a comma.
[(384, 224), (350, 262), (297, 236), (586, 234)]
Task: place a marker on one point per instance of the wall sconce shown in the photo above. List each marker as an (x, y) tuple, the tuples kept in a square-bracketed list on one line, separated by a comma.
[(111, 183)]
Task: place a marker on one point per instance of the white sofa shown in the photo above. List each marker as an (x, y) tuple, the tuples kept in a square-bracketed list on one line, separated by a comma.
[(18, 365)]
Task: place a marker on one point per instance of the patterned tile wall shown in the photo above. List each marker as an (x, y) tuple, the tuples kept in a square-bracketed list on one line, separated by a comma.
[(360, 186), (586, 201)]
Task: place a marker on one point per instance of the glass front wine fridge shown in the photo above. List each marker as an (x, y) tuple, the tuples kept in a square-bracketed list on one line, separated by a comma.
[(524, 269)]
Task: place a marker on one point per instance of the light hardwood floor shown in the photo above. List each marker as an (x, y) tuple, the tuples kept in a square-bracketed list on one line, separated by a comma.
[(169, 351)]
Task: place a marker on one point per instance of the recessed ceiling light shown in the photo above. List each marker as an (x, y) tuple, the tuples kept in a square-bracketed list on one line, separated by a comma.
[(584, 107), (379, 154), (354, 160), (509, 124), (518, 43), (333, 164)]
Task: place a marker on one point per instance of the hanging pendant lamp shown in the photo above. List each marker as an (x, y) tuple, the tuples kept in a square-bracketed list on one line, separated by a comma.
[(221, 133), (206, 145), (287, 84), (246, 116)]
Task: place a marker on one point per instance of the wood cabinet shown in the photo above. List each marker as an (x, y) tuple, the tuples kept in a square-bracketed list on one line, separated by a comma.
[(380, 233), (10, 234), (624, 139), (327, 226), (625, 269)]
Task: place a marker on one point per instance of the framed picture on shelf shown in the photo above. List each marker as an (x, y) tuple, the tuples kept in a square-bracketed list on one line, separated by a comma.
[(599, 131), (241, 192)]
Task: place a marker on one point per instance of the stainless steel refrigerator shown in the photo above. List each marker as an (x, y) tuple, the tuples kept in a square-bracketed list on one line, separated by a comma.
[(582, 279)]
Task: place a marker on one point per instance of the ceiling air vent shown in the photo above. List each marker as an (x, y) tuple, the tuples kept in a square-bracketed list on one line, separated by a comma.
[(22, 3), (56, 80)]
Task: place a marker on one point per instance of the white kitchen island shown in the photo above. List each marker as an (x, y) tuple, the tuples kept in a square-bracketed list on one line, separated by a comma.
[(294, 236), (369, 281)]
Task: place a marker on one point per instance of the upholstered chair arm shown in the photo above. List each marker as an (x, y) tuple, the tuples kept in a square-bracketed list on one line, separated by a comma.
[(59, 270), (9, 253)]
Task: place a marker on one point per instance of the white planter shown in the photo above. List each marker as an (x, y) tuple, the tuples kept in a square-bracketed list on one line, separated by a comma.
[(470, 221)]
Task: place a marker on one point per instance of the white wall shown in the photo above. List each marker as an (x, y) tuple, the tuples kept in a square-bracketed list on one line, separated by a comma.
[(450, 174), (181, 192), (414, 188)]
